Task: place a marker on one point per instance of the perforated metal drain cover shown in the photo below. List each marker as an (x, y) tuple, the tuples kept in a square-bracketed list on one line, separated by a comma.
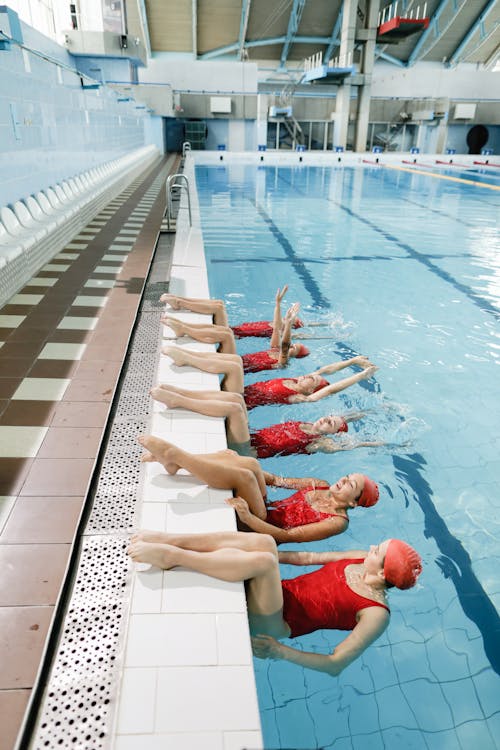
[(77, 709), (79, 702)]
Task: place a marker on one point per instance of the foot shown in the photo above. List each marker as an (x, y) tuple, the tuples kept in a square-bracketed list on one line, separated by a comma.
[(160, 555), (172, 300), (177, 326), (175, 353), (161, 451), (147, 535), (164, 396)]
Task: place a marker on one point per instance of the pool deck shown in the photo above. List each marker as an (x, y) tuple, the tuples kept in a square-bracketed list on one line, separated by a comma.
[(188, 679)]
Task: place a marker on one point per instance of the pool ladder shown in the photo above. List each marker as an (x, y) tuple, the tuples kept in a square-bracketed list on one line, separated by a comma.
[(175, 184)]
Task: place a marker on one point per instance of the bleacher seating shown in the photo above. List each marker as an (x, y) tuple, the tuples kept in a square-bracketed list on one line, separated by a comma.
[(35, 229)]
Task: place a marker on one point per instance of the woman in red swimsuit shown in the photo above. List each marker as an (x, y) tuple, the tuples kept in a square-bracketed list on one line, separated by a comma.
[(290, 438), (277, 356), (306, 388), (318, 510), (284, 439), (217, 309), (349, 591)]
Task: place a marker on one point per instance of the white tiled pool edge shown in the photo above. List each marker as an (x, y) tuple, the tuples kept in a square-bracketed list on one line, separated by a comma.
[(188, 679)]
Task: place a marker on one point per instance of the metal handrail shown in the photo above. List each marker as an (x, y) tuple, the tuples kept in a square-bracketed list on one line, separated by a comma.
[(186, 146), (179, 182)]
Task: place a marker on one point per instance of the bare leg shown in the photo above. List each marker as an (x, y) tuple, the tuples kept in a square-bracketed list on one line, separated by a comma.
[(235, 414), (228, 365), (226, 475), (207, 334), (235, 398), (252, 560), (213, 307)]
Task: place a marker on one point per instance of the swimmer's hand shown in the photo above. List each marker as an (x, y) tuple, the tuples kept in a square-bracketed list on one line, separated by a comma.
[(369, 371), (266, 647), (281, 293), (241, 508)]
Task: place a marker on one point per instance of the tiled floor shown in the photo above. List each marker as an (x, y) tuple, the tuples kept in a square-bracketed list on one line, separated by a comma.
[(63, 338)]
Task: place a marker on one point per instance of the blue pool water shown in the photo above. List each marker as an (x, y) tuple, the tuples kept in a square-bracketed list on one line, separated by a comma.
[(406, 269)]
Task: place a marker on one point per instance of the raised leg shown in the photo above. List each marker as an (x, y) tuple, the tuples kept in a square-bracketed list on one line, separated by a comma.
[(228, 365), (230, 556), (213, 307), (226, 475)]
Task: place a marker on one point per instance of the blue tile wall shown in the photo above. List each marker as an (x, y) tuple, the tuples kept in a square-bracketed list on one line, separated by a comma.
[(50, 127)]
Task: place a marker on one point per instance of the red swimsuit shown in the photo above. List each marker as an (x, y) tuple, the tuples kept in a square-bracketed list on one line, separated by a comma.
[(323, 600), (273, 392), (259, 329), (257, 361), (284, 439), (296, 511)]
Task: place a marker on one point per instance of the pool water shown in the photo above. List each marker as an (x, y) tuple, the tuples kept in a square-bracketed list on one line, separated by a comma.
[(404, 268)]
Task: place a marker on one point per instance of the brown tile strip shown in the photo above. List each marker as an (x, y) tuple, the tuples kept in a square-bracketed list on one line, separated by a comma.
[(24, 631), (43, 520), (12, 707)]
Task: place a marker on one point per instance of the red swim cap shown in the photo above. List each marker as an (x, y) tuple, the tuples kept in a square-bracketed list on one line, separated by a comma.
[(343, 427), (301, 350), (402, 565), (370, 493)]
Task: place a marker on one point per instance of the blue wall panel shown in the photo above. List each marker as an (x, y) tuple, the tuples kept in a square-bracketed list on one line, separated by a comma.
[(50, 127)]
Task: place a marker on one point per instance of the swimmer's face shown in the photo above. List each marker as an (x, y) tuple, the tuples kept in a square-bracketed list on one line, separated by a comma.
[(330, 424), (349, 488), (374, 561), (308, 383)]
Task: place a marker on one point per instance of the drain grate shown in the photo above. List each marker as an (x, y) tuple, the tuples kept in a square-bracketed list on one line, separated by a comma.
[(78, 705), (80, 697)]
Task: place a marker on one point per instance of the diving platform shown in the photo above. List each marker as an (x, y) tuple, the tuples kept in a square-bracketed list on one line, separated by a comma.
[(325, 74), (398, 28)]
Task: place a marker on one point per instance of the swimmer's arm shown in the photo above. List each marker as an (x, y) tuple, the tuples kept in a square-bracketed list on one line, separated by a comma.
[(360, 360), (294, 483), (371, 625), (320, 558), (307, 533), (277, 320), (341, 385), (327, 445), (286, 334)]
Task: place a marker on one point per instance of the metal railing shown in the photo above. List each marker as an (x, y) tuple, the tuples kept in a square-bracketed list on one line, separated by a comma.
[(177, 183)]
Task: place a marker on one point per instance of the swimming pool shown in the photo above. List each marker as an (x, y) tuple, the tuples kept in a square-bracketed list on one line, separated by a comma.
[(403, 267)]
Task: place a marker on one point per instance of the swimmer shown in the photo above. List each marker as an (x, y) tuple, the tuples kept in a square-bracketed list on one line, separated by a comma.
[(307, 388), (286, 438), (277, 356), (216, 308), (290, 438), (349, 591), (226, 362), (316, 511)]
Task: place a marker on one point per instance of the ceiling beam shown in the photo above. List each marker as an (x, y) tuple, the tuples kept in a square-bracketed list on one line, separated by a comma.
[(334, 38), (293, 25), (433, 28), (389, 58), (245, 13), (263, 43), (478, 23)]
